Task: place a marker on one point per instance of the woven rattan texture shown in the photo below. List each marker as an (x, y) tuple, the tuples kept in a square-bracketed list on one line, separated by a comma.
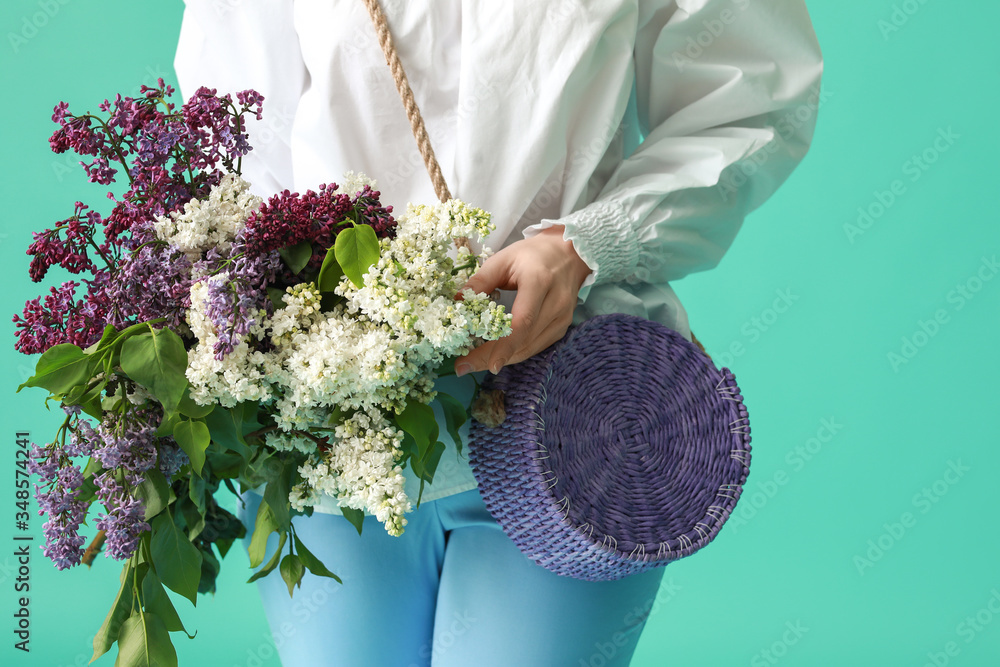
[(624, 448)]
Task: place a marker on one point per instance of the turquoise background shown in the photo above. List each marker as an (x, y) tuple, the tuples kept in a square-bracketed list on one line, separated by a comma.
[(857, 536)]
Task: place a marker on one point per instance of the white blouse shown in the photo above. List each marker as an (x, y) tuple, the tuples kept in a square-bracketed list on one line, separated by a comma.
[(648, 128)]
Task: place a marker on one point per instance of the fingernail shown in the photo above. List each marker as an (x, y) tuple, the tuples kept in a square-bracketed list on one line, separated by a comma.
[(462, 369), (497, 366)]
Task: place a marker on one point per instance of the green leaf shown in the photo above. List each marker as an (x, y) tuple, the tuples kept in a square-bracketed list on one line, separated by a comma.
[(196, 492), (257, 471), (196, 510), (454, 416), (271, 564), (419, 421), (426, 466), (328, 301), (410, 454), (193, 437), (227, 426), (157, 360), (88, 392), (447, 367), (109, 403), (297, 256), (145, 642), (156, 600), (89, 489), (60, 368), (120, 611), (90, 402), (356, 250), (168, 423), (176, 560), (106, 337), (292, 571), (330, 273), (314, 564), (154, 493), (431, 460), (264, 525), (355, 516), (223, 545), (276, 494), (188, 407), (275, 294), (210, 569), (193, 519)]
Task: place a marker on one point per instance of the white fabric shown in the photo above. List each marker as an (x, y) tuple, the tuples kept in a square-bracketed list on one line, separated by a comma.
[(648, 128)]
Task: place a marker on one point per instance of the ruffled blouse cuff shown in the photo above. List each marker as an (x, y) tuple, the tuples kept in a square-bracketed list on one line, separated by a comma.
[(603, 237)]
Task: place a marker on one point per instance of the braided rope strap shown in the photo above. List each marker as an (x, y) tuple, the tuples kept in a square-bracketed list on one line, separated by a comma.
[(623, 448), (412, 111)]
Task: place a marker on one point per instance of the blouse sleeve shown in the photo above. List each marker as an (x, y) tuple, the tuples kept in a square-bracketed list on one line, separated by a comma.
[(727, 93), (232, 46)]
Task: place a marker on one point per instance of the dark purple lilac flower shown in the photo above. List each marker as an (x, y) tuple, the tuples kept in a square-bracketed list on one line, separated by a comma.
[(60, 319), (169, 156)]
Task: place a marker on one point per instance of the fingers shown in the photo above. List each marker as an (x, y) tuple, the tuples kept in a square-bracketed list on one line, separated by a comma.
[(525, 325), (533, 328), (495, 273), (475, 360), (552, 333)]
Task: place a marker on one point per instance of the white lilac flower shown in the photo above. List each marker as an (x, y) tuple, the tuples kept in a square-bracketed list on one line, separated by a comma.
[(211, 222), (239, 376), (353, 183), (367, 356), (361, 471), (290, 442)]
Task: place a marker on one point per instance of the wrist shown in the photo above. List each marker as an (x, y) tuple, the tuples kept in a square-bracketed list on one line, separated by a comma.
[(580, 268)]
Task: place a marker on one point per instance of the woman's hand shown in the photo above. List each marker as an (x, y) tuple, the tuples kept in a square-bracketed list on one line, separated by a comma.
[(547, 273)]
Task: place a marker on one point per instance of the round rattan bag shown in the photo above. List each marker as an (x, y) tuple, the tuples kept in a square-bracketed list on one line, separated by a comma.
[(618, 449)]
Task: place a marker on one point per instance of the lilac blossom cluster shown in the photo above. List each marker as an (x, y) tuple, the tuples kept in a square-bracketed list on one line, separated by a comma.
[(126, 446), (58, 496), (239, 293), (169, 157)]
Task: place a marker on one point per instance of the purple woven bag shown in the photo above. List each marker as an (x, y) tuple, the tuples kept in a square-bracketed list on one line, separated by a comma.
[(623, 448)]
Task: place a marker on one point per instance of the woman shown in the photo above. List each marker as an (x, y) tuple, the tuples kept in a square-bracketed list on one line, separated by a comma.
[(619, 144)]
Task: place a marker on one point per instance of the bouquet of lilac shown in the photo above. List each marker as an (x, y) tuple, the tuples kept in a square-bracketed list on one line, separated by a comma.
[(221, 338)]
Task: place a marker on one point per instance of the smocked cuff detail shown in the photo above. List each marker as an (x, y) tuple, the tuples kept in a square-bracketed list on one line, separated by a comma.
[(603, 237)]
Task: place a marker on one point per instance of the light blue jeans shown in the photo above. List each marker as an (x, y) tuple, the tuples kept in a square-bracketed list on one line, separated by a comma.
[(452, 590)]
